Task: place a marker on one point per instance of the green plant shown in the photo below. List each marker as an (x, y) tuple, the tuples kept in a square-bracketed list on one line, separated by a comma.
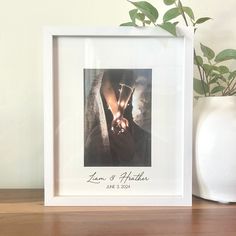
[(215, 78)]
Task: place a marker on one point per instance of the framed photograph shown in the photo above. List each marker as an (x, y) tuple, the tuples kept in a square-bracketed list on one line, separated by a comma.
[(118, 116)]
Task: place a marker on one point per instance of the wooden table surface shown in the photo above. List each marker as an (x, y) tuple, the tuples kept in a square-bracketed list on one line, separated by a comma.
[(22, 213)]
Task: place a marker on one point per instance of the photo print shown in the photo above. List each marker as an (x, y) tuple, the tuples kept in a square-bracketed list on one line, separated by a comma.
[(117, 117)]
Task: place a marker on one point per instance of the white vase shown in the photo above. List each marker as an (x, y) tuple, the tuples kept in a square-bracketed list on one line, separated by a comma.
[(214, 148)]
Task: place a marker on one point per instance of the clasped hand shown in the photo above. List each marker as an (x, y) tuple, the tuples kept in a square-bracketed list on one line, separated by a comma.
[(119, 124)]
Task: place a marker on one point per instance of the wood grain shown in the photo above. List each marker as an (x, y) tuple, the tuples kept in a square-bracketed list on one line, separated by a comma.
[(22, 213)]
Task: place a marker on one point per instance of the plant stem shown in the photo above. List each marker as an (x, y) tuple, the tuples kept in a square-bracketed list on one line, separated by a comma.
[(200, 73), (180, 6), (230, 90), (205, 77), (228, 87)]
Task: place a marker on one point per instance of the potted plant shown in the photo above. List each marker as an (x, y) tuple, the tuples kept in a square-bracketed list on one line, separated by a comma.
[(214, 126)]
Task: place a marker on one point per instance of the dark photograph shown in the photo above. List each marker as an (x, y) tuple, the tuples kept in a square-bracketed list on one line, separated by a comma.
[(117, 117)]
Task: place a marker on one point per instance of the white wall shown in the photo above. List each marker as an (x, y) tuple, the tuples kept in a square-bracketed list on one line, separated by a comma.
[(21, 93)]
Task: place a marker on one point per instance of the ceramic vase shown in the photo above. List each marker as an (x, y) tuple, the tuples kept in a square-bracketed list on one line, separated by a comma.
[(214, 148)]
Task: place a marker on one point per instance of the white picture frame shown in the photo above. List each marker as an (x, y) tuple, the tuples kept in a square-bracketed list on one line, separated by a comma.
[(64, 47)]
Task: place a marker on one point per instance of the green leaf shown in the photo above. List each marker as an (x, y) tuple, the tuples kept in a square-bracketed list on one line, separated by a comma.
[(198, 60), (207, 68), (189, 12), (217, 89), (225, 55), (207, 52), (223, 69), (222, 78), (212, 81), (140, 16), (128, 24), (186, 10), (171, 14), (215, 73), (232, 75), (171, 28), (217, 77), (202, 20), (148, 22), (215, 68), (169, 2), (147, 9), (198, 86), (132, 14)]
